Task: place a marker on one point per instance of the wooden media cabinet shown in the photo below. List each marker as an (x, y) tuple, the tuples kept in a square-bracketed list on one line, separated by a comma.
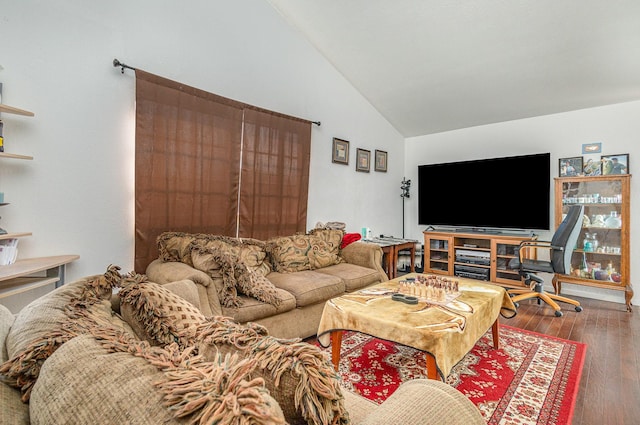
[(490, 257)]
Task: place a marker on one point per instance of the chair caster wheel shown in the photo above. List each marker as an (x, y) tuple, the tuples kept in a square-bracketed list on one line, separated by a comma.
[(558, 314), (578, 308)]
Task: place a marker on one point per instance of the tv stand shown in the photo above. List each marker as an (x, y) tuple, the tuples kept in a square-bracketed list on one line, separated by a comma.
[(483, 255)]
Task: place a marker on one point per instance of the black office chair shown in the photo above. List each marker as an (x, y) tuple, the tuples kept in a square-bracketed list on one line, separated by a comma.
[(560, 249)]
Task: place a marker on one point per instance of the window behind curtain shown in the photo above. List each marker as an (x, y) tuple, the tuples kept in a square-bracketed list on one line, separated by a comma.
[(188, 172), (274, 176)]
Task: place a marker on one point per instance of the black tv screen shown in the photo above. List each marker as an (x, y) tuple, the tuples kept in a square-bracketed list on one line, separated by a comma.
[(497, 193)]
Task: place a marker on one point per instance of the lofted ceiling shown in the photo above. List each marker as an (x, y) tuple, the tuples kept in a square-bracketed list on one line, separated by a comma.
[(430, 66)]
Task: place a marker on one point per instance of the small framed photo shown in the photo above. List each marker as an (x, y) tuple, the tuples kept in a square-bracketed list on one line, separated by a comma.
[(570, 166), (615, 164), (340, 153), (363, 160), (592, 167), (595, 147), (381, 161)]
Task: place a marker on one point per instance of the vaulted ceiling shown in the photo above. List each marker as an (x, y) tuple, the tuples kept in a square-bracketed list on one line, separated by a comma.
[(436, 65)]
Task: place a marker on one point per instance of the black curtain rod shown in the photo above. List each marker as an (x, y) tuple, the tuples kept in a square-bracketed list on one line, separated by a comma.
[(117, 63)]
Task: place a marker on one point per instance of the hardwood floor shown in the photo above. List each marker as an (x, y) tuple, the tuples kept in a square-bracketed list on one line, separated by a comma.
[(609, 391)]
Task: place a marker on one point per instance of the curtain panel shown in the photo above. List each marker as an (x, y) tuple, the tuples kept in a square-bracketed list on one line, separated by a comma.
[(208, 164)]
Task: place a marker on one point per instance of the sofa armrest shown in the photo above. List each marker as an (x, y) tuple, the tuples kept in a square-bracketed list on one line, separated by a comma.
[(426, 401), (162, 273), (366, 255)]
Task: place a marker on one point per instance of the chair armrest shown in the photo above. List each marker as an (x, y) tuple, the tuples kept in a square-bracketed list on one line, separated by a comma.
[(531, 244), (365, 254), (426, 401)]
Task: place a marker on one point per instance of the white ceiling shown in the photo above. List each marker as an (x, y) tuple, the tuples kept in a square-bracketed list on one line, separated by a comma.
[(436, 65)]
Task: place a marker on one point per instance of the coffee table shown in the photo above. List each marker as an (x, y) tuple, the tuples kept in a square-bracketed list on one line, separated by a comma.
[(445, 331)]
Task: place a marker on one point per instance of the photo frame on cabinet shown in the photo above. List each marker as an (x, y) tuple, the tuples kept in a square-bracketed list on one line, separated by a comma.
[(592, 167), (381, 161), (363, 160), (570, 166), (615, 164), (340, 152)]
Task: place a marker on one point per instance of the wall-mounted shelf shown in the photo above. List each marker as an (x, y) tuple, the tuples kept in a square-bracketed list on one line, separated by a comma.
[(18, 277), (29, 273), (15, 156), (17, 111)]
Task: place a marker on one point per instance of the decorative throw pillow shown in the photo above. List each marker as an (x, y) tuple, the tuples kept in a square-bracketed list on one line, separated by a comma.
[(174, 246), (298, 375), (250, 252), (236, 276), (289, 253), (332, 237), (156, 314), (177, 246)]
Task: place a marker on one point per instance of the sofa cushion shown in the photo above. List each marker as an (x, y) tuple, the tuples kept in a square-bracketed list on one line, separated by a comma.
[(38, 331), (251, 309), (354, 277), (145, 385), (156, 314), (308, 287)]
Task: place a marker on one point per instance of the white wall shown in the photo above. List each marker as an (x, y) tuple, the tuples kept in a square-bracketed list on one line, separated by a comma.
[(616, 126), (76, 196)]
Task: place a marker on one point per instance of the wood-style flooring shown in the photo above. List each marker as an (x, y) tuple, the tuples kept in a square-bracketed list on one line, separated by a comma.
[(609, 391)]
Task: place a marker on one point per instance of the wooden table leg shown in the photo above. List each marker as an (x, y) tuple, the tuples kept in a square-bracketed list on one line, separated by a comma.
[(495, 331), (432, 369), (336, 343)]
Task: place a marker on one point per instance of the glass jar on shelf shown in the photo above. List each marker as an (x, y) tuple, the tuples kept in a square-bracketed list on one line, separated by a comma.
[(613, 221), (590, 242)]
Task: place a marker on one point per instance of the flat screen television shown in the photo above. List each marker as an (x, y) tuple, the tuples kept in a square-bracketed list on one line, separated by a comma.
[(486, 195)]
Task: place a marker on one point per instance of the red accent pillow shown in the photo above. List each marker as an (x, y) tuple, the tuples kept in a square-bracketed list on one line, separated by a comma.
[(350, 238)]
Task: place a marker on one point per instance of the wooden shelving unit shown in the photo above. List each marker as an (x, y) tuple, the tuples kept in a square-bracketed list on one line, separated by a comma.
[(30, 273), (487, 257), (607, 265)]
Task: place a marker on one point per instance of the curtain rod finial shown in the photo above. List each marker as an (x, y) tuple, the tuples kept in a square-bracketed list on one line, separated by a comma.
[(122, 66)]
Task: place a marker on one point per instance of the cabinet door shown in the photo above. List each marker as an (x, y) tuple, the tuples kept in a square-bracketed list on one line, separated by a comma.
[(601, 255), (437, 254)]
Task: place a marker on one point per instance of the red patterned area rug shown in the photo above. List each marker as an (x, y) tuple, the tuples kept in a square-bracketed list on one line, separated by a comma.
[(531, 380)]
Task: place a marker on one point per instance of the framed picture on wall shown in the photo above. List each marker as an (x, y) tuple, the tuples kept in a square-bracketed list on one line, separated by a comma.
[(570, 166), (363, 160), (340, 153), (381, 161), (615, 164)]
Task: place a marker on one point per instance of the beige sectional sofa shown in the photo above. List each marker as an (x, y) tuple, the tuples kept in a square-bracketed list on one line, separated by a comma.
[(114, 349), (295, 275)]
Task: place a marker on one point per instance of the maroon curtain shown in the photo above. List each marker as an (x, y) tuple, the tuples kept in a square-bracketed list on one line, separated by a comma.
[(188, 169), (275, 175)]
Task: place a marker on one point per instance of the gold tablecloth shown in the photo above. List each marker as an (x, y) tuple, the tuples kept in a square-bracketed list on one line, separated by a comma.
[(446, 331)]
